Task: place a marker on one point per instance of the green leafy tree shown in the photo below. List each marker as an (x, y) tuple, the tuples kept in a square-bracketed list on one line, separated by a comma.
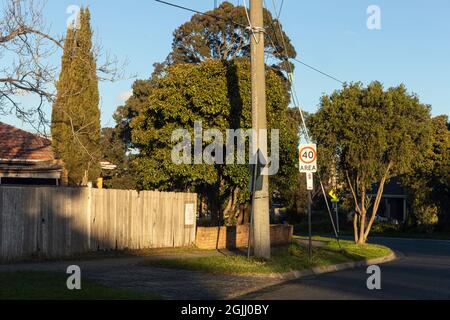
[(370, 135), (429, 180), (221, 34), (218, 94), (206, 77), (115, 151), (76, 114)]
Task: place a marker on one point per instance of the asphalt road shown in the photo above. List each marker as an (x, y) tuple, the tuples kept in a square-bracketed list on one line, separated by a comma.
[(421, 272)]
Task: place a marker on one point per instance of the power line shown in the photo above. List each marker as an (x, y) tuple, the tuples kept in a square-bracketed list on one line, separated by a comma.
[(249, 22), (287, 58), (296, 101), (289, 67), (317, 70), (278, 13), (279, 10), (202, 13)]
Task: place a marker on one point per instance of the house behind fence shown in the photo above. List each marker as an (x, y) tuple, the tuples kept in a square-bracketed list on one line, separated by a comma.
[(55, 222)]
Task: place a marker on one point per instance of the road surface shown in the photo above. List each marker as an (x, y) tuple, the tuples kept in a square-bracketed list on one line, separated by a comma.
[(421, 272)]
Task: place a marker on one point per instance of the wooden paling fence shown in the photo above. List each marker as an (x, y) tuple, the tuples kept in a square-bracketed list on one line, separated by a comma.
[(55, 222)]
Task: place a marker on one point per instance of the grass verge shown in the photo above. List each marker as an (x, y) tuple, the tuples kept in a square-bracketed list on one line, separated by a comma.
[(51, 286), (114, 254), (284, 259), (399, 235)]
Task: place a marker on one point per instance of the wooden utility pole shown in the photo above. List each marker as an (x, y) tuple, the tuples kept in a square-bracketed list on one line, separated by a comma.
[(261, 218)]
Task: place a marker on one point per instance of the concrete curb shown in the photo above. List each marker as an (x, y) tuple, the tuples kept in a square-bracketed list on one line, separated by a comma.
[(331, 268), (293, 275)]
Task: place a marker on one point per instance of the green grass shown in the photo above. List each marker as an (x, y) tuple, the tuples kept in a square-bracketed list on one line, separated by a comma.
[(284, 259), (401, 235), (414, 235), (51, 286), (116, 254)]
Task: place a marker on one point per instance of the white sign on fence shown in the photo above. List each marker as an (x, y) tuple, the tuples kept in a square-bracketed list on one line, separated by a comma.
[(308, 158), (189, 214)]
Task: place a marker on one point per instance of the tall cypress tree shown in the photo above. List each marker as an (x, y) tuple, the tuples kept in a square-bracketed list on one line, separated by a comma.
[(76, 113)]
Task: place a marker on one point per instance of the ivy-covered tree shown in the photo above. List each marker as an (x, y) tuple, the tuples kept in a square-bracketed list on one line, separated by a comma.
[(219, 95), (76, 113), (369, 135)]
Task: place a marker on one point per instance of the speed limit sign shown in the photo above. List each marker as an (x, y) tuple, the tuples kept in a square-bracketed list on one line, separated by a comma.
[(308, 158)]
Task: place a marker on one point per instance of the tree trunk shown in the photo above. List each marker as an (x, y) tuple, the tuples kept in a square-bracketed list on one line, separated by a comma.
[(355, 226), (244, 214), (360, 225), (231, 210), (377, 201), (362, 222)]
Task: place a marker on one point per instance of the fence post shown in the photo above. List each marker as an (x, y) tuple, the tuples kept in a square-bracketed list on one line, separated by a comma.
[(89, 215)]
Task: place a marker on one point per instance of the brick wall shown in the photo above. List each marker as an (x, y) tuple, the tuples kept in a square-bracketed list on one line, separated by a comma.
[(237, 237)]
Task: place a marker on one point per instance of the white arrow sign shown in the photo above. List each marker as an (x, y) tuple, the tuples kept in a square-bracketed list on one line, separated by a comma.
[(310, 181)]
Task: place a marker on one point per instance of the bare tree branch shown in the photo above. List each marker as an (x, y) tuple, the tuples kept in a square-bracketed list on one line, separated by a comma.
[(26, 46)]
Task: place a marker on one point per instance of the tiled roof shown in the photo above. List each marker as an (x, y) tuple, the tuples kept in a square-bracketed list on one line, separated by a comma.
[(16, 144)]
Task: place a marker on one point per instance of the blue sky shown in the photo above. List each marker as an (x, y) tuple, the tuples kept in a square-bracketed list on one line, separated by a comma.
[(412, 47)]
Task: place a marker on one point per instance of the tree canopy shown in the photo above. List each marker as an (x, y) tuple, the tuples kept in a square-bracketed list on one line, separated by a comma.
[(429, 179), (221, 34), (218, 94), (368, 135)]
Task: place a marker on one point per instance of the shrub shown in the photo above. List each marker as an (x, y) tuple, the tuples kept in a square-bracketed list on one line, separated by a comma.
[(427, 217)]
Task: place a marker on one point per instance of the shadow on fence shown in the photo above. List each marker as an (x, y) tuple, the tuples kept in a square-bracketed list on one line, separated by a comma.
[(57, 222)]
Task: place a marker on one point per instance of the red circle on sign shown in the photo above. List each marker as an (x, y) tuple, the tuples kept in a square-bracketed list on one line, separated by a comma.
[(314, 152)]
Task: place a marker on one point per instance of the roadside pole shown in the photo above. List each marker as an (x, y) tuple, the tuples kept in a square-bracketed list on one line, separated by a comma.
[(261, 217), (308, 165), (309, 225), (255, 185), (336, 205), (250, 228), (335, 200)]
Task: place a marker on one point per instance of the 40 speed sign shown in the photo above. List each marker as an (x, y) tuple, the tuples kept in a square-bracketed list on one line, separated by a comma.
[(308, 158)]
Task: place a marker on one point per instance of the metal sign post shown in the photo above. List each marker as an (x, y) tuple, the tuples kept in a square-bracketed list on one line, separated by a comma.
[(308, 165), (335, 200), (310, 225), (337, 217)]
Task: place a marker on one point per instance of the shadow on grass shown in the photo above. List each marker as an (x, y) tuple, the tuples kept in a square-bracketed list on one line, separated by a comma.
[(284, 259), (51, 286)]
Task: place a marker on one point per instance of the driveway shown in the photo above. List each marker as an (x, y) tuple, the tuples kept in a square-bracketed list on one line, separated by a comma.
[(421, 272), (170, 283)]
